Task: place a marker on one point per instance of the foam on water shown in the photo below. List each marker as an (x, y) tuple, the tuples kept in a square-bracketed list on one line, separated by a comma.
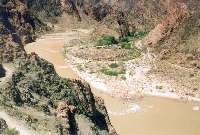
[(132, 108), (196, 108), (135, 108), (63, 67), (52, 51)]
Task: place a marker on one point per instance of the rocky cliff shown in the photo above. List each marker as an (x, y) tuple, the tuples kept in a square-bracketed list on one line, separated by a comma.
[(17, 27), (69, 103), (172, 25), (176, 36)]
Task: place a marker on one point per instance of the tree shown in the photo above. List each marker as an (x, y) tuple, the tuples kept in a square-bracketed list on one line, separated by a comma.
[(123, 23)]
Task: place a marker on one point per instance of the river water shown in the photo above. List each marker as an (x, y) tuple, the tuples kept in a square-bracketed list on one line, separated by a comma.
[(146, 116)]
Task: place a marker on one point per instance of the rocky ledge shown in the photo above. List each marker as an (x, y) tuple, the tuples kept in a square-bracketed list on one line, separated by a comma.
[(60, 106)]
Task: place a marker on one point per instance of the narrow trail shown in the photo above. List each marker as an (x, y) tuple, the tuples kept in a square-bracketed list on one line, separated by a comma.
[(8, 70), (12, 123)]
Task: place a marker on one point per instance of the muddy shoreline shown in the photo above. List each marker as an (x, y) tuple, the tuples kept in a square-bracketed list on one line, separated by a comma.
[(144, 76), (103, 88)]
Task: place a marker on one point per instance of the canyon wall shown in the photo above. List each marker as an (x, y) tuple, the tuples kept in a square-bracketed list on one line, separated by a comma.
[(61, 106)]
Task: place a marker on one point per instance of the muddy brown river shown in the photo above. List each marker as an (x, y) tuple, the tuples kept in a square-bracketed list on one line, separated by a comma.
[(146, 116)]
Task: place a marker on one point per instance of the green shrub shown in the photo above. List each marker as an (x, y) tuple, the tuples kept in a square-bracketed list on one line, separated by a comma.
[(126, 45), (112, 72), (11, 132), (140, 34), (113, 65), (106, 40), (131, 34), (124, 39), (124, 42)]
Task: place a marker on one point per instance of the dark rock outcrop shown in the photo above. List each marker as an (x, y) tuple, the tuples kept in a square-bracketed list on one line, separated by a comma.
[(49, 10), (3, 125), (17, 27), (2, 71), (45, 10), (64, 112), (35, 84), (123, 24)]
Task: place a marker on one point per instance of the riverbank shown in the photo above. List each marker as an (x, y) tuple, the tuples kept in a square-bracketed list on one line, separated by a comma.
[(138, 82), (12, 123), (102, 86), (142, 76)]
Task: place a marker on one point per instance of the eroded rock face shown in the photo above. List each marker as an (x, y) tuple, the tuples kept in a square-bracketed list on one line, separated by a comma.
[(35, 84), (64, 112), (177, 12), (17, 27), (3, 125), (176, 36)]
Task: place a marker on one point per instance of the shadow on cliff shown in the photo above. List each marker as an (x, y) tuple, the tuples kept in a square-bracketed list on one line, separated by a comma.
[(2, 71)]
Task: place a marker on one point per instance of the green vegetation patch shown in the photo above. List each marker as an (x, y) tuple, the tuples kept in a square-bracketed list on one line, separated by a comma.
[(138, 34), (114, 65), (11, 132), (106, 40), (126, 45), (112, 72), (125, 39), (124, 42)]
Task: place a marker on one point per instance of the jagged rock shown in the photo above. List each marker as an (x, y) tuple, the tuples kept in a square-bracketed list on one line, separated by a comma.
[(3, 125), (17, 27), (123, 23), (35, 82), (176, 15), (63, 112), (177, 34)]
